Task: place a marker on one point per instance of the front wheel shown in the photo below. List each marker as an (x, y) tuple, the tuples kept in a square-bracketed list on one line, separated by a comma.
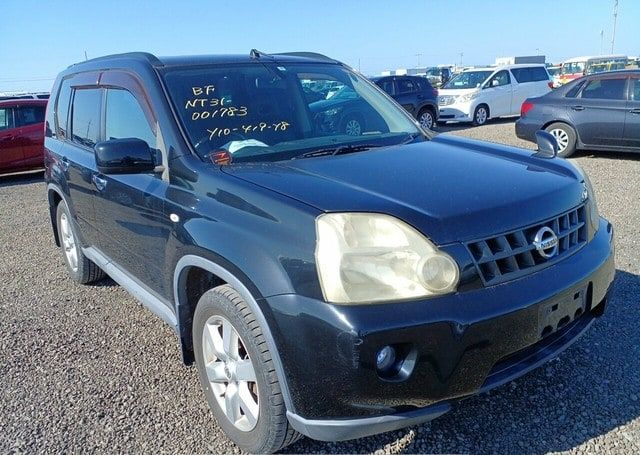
[(237, 373), (565, 137), (480, 115), (352, 126)]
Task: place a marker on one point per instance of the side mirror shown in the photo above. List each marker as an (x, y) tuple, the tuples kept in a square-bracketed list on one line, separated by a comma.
[(547, 145), (124, 156)]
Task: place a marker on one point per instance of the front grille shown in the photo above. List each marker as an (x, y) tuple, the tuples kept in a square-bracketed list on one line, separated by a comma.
[(513, 254)]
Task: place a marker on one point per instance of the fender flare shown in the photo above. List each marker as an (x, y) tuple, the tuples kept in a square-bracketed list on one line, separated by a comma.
[(179, 278)]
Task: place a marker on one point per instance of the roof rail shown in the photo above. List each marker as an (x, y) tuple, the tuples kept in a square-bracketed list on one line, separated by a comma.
[(150, 58), (313, 55)]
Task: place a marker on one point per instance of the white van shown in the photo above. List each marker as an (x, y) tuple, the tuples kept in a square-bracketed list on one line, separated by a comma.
[(477, 94)]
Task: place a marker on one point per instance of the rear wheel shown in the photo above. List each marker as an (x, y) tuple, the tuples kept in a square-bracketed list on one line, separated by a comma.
[(481, 115), (565, 137), (237, 373), (426, 118), (81, 269)]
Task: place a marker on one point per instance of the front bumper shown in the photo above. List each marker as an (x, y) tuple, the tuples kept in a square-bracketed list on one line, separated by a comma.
[(465, 343), (457, 112)]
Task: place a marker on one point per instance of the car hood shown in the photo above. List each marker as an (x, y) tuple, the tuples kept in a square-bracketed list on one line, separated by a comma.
[(456, 91), (451, 189)]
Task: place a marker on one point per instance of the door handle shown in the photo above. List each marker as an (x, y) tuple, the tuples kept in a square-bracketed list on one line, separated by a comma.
[(577, 108), (635, 111), (99, 182)]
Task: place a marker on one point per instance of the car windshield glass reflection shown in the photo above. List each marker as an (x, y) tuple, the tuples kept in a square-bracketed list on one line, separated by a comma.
[(468, 79), (268, 111)]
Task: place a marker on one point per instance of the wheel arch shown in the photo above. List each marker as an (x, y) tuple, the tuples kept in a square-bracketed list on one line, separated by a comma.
[(575, 130), (213, 273), (54, 196)]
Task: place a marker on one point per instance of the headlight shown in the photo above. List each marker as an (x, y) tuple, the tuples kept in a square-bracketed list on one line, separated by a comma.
[(467, 97), (368, 257), (592, 205)]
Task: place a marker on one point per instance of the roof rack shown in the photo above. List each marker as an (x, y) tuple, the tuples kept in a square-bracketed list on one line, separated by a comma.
[(152, 59), (313, 55)]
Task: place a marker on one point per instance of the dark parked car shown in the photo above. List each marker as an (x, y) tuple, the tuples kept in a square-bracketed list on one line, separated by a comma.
[(415, 94), (598, 112), (325, 284), (21, 135), (345, 111)]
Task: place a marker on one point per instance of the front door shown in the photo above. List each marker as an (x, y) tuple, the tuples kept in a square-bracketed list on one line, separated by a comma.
[(133, 230), (599, 111), (498, 93)]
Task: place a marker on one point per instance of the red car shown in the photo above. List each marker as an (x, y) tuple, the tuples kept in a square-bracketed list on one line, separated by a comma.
[(21, 134)]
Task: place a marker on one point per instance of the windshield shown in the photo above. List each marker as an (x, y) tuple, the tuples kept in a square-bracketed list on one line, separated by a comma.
[(267, 111), (468, 79), (572, 68)]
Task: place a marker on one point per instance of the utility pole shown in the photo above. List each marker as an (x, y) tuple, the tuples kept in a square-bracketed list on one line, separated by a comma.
[(418, 55), (601, 42), (461, 55), (615, 19), (85, 56)]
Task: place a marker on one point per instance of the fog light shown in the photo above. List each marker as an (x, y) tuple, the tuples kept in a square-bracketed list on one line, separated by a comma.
[(386, 358)]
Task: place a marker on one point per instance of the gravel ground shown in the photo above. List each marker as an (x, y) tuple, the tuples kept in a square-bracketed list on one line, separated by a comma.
[(86, 368)]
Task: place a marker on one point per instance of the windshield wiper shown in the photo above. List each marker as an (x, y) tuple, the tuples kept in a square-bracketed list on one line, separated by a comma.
[(337, 150)]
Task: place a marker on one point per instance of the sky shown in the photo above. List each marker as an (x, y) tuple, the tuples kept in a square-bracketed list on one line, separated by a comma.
[(44, 37)]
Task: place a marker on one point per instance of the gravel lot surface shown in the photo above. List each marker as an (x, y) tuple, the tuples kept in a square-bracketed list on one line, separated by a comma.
[(86, 368)]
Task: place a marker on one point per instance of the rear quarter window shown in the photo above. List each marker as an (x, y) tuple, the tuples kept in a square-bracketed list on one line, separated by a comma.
[(62, 109), (30, 115)]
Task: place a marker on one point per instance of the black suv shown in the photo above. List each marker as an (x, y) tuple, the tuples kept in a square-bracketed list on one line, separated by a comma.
[(415, 94), (325, 283)]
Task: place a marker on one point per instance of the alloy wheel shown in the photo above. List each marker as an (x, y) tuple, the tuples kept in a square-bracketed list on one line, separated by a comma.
[(426, 120), (68, 242), (353, 128), (230, 372), (562, 138)]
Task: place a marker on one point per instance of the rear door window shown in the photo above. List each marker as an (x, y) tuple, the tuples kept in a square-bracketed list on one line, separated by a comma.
[(124, 118), (386, 85), (605, 89), (85, 116), (30, 115), (406, 86), (6, 118)]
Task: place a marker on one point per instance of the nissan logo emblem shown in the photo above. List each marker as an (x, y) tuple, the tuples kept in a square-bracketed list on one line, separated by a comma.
[(546, 242)]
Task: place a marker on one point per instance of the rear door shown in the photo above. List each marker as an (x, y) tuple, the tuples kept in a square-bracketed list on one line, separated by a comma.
[(79, 129), (599, 111), (30, 119), (632, 116), (132, 227), (498, 92), (406, 93), (11, 154)]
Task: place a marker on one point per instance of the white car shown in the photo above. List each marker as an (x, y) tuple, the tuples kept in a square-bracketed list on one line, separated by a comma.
[(477, 94)]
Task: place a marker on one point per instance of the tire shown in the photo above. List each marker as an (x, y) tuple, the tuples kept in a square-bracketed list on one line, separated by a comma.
[(257, 420), (480, 115), (81, 269), (565, 136), (352, 126), (426, 118)]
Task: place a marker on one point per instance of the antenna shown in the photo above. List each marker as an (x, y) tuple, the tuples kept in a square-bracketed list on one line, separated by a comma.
[(615, 19)]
